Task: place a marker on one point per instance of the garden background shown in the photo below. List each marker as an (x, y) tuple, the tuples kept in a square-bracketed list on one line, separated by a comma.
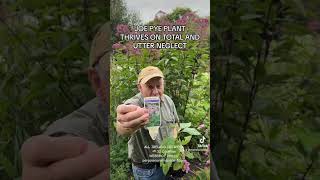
[(188, 86)]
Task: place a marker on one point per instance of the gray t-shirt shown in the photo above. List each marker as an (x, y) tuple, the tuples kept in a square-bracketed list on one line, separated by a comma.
[(139, 142), (88, 122)]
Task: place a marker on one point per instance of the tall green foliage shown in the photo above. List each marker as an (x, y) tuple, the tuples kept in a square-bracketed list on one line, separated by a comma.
[(44, 53), (266, 82)]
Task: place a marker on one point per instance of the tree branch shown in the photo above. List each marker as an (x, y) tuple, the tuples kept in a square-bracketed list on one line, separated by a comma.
[(219, 109), (255, 85), (86, 17), (194, 72), (307, 170)]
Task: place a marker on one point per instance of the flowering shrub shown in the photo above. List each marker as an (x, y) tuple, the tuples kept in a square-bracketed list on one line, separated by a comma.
[(179, 148), (193, 23)]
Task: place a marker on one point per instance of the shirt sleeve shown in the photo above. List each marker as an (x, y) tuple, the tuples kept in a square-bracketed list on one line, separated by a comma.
[(71, 124), (135, 100), (132, 101), (173, 107), (83, 122), (176, 117)]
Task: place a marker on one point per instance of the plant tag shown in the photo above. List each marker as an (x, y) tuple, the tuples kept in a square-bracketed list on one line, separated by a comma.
[(153, 106)]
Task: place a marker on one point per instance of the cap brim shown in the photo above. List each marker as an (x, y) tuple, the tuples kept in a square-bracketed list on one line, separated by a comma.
[(147, 78)]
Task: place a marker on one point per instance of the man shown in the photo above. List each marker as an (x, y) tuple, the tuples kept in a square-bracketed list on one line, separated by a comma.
[(132, 117), (73, 147)]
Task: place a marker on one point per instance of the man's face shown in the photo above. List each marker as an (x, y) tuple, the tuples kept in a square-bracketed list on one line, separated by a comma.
[(153, 87), (98, 78)]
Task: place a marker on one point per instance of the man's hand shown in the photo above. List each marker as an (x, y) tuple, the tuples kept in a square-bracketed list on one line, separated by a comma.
[(131, 118), (63, 158)]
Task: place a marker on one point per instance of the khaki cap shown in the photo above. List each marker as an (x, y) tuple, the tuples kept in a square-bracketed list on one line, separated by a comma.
[(101, 44), (149, 72)]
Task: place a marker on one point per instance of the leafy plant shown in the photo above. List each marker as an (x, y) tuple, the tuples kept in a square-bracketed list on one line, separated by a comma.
[(174, 150), (202, 174)]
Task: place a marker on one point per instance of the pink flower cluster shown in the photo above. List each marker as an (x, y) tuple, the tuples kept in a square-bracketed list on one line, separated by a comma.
[(181, 21), (190, 20), (202, 22), (192, 17), (165, 22), (186, 166), (131, 50), (208, 162), (201, 126), (122, 29), (117, 46), (189, 16), (126, 48)]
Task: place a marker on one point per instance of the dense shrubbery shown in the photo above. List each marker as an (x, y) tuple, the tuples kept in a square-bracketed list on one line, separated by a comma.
[(44, 53), (266, 85)]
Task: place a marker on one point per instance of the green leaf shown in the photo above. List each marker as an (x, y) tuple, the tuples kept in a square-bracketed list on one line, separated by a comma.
[(177, 165), (174, 58), (181, 149), (191, 131), (203, 174), (189, 155), (165, 167), (167, 142), (184, 125), (186, 140), (161, 162), (270, 146)]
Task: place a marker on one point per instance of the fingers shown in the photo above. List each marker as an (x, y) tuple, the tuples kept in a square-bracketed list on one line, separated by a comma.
[(42, 150), (89, 162), (123, 109), (92, 146), (132, 115), (136, 122), (130, 118), (32, 173), (85, 166), (102, 176)]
